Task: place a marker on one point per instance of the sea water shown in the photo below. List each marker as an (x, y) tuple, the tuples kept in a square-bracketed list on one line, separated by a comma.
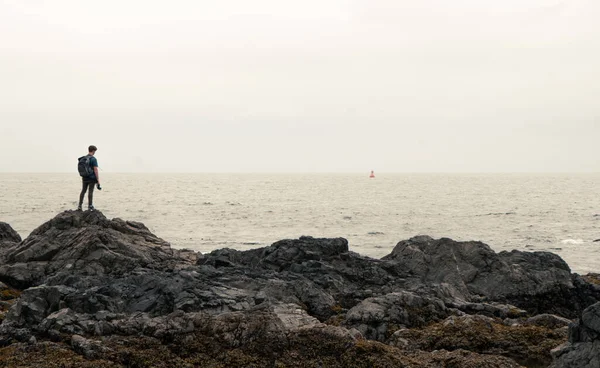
[(559, 213)]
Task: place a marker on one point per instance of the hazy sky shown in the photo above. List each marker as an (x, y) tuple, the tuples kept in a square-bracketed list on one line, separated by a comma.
[(301, 86)]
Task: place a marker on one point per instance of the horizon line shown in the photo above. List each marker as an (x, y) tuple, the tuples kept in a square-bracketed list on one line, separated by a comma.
[(308, 172)]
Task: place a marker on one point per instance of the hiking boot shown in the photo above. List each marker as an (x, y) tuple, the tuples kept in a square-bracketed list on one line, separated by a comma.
[(91, 208)]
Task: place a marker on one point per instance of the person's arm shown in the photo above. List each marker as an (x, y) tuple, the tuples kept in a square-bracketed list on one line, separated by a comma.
[(94, 165), (97, 175)]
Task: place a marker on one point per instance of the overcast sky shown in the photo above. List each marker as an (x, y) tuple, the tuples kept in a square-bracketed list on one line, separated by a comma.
[(301, 86)]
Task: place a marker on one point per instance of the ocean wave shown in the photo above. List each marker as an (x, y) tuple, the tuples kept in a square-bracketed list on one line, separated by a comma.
[(573, 241), (498, 214)]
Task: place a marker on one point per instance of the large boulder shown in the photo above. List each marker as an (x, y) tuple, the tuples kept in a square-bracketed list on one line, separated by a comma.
[(477, 269), (583, 348), (319, 273), (8, 236), (377, 318), (84, 243), (539, 282)]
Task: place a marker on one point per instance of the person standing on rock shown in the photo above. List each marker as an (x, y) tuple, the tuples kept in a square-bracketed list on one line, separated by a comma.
[(88, 169)]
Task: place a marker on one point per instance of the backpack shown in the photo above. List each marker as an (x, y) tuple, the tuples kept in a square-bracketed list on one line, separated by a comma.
[(83, 166)]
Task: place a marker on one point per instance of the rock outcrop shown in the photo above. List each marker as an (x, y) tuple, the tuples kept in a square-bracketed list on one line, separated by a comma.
[(90, 285), (87, 244), (539, 282), (583, 348), (8, 236)]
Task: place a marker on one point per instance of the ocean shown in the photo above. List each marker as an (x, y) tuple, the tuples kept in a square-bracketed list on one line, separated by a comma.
[(559, 213)]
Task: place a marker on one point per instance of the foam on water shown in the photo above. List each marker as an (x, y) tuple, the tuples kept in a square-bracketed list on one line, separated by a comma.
[(557, 213)]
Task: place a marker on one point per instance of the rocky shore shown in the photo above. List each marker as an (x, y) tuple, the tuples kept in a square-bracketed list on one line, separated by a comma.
[(85, 291)]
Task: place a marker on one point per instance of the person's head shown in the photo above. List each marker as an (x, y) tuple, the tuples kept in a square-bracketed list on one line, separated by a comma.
[(92, 149)]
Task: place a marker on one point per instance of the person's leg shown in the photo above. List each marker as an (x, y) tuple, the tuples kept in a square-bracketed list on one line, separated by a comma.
[(84, 187), (91, 195)]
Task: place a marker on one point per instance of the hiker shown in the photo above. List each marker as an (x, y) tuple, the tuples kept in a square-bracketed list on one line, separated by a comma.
[(88, 169)]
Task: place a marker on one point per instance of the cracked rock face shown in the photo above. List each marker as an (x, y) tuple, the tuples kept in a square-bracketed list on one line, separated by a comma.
[(583, 348), (474, 267), (84, 276), (84, 243), (539, 282), (8, 236)]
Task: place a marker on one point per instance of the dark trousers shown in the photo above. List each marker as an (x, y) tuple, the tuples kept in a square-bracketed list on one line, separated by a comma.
[(84, 187)]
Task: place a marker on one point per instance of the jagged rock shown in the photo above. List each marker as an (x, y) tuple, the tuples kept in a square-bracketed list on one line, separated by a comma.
[(22, 275), (88, 244), (377, 318), (318, 273), (583, 348), (591, 318), (477, 269), (85, 275), (539, 282), (8, 236), (88, 348), (63, 321), (579, 355), (35, 304)]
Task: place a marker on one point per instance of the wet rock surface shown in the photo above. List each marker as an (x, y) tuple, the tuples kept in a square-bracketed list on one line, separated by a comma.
[(110, 290)]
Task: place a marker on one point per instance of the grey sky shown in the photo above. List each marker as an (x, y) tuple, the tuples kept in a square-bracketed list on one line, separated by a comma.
[(301, 86)]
